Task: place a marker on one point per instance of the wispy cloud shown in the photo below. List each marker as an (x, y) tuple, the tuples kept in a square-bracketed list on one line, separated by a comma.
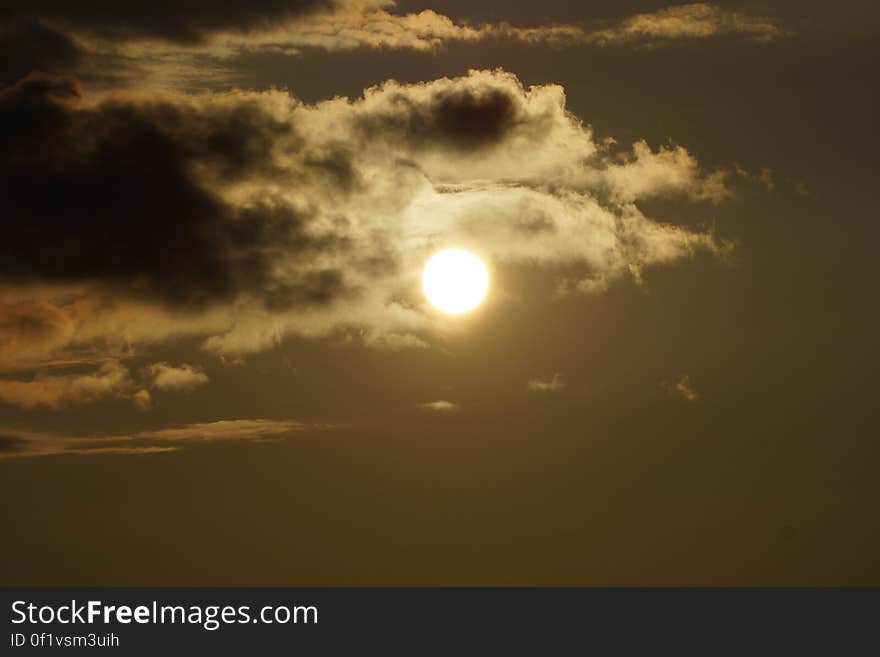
[(698, 20), (439, 406), (250, 430), (552, 384), (106, 380), (682, 387), (190, 47), (52, 391), (20, 444), (355, 24)]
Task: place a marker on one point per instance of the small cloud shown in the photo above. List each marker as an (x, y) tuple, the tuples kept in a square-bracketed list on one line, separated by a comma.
[(142, 399), (180, 378), (394, 341), (439, 406), (547, 385), (682, 388)]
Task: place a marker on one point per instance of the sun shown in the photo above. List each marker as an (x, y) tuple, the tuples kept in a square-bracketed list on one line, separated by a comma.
[(455, 281)]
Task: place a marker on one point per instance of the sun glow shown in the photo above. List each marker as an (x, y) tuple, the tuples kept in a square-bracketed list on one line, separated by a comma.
[(455, 281)]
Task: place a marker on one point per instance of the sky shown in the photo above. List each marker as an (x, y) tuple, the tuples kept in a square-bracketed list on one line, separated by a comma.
[(217, 365)]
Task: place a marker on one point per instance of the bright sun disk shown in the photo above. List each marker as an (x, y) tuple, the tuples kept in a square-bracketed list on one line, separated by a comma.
[(455, 281)]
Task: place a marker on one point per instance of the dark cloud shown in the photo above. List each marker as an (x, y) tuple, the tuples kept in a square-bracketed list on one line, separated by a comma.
[(319, 287), (118, 195), (465, 119), (30, 328), (12, 444), (39, 320), (473, 120), (185, 21), (27, 46), (336, 167)]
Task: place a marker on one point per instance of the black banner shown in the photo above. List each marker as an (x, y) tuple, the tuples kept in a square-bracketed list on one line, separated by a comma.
[(452, 620)]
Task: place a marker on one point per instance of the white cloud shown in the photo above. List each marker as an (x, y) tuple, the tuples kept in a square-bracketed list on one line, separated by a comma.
[(439, 406), (179, 378), (682, 388), (552, 384)]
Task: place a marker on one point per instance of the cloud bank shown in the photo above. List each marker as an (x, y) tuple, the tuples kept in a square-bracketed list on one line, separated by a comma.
[(245, 217)]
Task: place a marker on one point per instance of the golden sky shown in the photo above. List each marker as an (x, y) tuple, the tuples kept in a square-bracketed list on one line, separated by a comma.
[(215, 345)]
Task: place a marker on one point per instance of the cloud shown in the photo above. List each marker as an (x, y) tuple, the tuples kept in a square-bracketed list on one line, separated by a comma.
[(222, 430), (372, 24), (187, 22), (31, 329), (142, 399), (553, 384), (27, 45), (180, 378), (369, 24), (247, 217), (17, 444), (682, 388), (644, 173), (110, 381), (124, 193), (439, 406), (690, 21), (138, 44)]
